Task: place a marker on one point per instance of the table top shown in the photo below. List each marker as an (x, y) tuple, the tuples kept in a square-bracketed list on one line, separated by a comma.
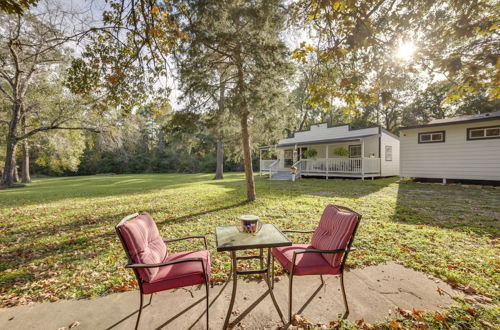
[(229, 238)]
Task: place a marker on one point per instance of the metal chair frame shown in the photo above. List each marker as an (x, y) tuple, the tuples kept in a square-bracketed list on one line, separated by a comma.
[(342, 263), (135, 267)]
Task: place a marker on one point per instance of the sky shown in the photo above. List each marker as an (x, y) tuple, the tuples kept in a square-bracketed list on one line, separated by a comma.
[(88, 13)]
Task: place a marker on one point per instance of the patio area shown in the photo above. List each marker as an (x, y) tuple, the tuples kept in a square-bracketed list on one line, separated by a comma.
[(374, 294)]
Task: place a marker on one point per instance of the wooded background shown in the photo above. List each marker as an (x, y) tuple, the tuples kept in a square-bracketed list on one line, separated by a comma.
[(145, 86)]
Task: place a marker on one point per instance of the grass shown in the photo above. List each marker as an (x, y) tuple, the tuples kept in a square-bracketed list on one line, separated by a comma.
[(57, 237)]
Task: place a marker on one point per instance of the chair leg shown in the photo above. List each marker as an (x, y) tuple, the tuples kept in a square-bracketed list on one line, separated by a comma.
[(343, 295), (208, 304), (322, 280), (150, 299), (272, 272), (140, 311), (290, 279)]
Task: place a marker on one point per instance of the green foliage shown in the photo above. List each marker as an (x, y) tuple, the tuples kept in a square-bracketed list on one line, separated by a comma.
[(125, 62), (341, 152), (311, 153), (16, 6), (60, 151), (268, 155)]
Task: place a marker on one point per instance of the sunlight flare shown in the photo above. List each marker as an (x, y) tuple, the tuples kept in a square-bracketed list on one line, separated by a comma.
[(405, 51)]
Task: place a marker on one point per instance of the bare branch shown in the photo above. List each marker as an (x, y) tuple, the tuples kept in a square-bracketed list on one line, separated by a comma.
[(54, 127), (6, 94)]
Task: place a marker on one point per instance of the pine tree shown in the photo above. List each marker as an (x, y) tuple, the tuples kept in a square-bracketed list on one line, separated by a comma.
[(237, 43)]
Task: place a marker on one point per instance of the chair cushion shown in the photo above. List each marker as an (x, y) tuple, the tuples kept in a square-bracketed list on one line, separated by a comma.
[(334, 231), (306, 263), (144, 244), (181, 274)]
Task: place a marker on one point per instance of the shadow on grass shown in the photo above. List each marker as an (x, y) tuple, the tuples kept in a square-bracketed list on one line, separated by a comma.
[(64, 251), (339, 188), (453, 207), (55, 189)]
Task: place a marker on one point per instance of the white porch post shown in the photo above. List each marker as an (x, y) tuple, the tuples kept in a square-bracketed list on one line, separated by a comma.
[(260, 162), (362, 159), (295, 154), (326, 156)]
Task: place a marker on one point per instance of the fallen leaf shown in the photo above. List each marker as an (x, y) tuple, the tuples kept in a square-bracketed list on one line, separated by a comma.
[(439, 317), (440, 291), (394, 325), (469, 290), (486, 324), (74, 325), (360, 322), (405, 313), (416, 314)]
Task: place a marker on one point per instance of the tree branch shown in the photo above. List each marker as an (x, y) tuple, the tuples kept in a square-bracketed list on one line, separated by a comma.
[(54, 127), (6, 94)]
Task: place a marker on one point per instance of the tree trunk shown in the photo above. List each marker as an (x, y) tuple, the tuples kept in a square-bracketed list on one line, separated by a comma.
[(26, 177), (10, 165), (245, 135), (247, 156), (11, 144), (25, 170), (219, 170), (16, 173)]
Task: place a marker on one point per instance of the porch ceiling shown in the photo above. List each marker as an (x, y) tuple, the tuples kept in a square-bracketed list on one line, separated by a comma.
[(327, 141)]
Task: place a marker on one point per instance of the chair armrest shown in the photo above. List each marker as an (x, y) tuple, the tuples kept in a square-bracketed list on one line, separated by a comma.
[(173, 262), (188, 237), (323, 251), (298, 231)]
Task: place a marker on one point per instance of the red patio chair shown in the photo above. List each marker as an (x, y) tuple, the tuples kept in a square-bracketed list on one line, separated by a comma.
[(155, 269), (327, 252)]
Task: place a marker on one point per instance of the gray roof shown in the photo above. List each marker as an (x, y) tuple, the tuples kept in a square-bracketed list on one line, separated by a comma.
[(459, 120), (350, 139)]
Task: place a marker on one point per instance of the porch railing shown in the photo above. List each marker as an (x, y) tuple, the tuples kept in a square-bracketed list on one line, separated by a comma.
[(358, 166), (269, 166)]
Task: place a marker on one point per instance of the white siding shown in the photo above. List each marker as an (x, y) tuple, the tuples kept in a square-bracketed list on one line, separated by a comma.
[(323, 132), (371, 146), (389, 168), (456, 158)]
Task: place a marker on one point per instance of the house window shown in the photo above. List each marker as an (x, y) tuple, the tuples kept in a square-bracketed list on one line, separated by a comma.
[(388, 153), (431, 137), (355, 151), (483, 133)]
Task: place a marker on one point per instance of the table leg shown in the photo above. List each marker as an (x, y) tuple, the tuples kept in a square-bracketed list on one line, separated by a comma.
[(261, 258), (266, 277), (233, 293)]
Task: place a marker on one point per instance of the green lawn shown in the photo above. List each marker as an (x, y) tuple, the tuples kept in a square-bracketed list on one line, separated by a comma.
[(57, 238)]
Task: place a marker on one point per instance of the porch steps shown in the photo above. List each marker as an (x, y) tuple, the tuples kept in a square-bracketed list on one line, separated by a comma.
[(282, 175)]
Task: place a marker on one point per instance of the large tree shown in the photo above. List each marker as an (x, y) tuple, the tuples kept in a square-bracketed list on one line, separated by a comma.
[(31, 50), (238, 43)]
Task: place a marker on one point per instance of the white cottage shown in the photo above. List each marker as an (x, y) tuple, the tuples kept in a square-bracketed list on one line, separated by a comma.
[(334, 151), (463, 148)]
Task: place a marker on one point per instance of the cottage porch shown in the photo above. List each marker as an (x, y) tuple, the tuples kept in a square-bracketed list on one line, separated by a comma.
[(359, 161)]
